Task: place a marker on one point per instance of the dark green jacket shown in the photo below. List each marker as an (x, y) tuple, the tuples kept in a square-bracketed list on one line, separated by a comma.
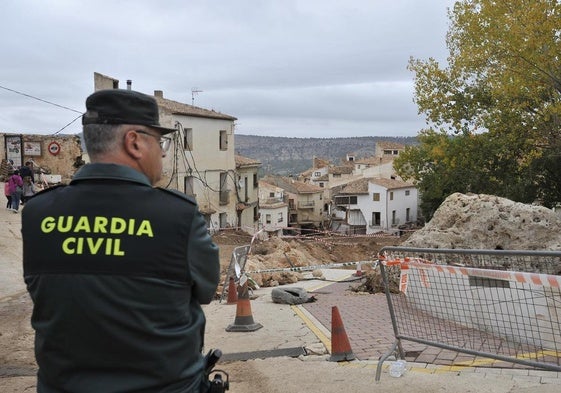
[(117, 271)]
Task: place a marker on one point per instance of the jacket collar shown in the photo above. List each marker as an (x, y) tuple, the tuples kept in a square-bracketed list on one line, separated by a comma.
[(99, 171)]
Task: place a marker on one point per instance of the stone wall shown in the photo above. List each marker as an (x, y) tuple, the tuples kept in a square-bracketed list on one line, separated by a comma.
[(56, 155)]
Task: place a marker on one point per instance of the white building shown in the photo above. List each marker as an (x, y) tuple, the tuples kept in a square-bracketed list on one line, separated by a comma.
[(273, 210), (247, 193), (200, 161), (371, 205)]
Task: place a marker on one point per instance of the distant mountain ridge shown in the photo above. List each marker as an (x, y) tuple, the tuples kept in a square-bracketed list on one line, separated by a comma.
[(290, 156)]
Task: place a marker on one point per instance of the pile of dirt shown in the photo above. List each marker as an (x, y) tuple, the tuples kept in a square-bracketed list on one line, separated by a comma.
[(290, 252)]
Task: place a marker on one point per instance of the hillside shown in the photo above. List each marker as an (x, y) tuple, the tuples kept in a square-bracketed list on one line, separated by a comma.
[(285, 156)]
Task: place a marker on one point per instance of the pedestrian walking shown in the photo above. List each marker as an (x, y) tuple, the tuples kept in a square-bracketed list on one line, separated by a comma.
[(16, 188)]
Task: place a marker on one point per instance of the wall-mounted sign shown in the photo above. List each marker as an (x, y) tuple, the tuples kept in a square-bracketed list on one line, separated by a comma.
[(32, 148), (13, 149), (54, 148)]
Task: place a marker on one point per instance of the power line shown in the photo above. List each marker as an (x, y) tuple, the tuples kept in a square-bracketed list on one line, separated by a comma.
[(40, 99), (79, 116)]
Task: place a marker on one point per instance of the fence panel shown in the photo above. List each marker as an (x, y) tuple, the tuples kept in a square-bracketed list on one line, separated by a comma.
[(500, 304)]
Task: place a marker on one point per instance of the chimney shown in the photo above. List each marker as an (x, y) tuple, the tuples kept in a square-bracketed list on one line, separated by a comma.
[(129, 84), (158, 93)]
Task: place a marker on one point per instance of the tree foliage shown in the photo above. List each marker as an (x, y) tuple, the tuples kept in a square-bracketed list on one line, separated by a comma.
[(495, 109)]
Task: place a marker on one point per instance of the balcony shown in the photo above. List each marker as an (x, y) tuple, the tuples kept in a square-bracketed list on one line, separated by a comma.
[(306, 204)]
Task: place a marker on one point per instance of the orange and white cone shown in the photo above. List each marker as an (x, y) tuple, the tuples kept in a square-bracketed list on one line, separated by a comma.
[(358, 270), (232, 292), (244, 319), (340, 345)]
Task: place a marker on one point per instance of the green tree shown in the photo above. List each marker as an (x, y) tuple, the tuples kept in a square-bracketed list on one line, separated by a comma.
[(495, 109)]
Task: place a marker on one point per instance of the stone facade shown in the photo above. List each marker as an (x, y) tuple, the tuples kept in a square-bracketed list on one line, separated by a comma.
[(53, 154)]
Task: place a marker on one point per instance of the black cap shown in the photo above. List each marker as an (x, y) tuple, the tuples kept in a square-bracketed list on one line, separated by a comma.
[(119, 106)]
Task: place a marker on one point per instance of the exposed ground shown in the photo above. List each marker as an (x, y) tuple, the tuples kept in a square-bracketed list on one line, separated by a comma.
[(278, 253)]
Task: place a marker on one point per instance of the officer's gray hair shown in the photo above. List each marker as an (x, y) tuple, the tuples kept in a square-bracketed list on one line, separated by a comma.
[(102, 138)]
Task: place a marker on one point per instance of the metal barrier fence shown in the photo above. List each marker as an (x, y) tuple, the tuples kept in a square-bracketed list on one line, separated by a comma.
[(236, 267), (498, 304)]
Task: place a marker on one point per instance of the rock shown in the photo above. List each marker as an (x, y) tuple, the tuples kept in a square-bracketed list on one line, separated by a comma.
[(480, 221), (291, 295)]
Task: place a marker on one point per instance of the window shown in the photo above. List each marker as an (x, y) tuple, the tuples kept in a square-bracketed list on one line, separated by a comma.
[(224, 192), (394, 222), (188, 139), (391, 195), (255, 181), (280, 218), (246, 189), (317, 174), (223, 140), (346, 200), (223, 218), (188, 185), (407, 214), (271, 195), (407, 192), (267, 218), (376, 197), (336, 175), (321, 184)]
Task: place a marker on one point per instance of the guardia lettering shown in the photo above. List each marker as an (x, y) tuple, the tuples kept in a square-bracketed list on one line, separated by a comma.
[(98, 224)]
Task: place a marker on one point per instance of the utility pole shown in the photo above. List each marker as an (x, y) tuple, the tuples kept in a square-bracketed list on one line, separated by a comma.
[(194, 91)]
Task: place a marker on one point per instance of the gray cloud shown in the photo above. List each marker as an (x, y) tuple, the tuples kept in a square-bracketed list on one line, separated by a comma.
[(292, 67)]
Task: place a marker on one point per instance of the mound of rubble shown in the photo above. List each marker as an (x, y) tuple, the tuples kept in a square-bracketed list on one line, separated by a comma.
[(479, 221)]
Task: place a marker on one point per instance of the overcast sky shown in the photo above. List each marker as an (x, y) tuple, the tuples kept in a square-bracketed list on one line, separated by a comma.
[(300, 68)]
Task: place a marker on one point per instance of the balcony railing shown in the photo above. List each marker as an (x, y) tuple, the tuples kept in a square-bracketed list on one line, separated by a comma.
[(306, 204)]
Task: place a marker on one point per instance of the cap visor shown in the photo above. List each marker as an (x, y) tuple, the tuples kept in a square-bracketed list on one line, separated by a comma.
[(163, 130)]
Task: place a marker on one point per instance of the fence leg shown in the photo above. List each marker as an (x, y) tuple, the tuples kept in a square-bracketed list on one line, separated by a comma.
[(396, 351)]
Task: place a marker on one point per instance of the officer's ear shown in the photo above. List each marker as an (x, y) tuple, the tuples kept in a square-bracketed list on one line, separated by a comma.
[(133, 144)]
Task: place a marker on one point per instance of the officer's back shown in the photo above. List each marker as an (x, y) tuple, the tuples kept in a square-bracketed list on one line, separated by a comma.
[(117, 269)]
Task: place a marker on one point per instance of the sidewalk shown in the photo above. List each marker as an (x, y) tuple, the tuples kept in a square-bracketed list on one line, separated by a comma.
[(266, 367)]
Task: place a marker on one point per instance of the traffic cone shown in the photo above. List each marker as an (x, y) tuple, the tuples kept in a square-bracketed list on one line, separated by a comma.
[(340, 346), (244, 319), (358, 270), (232, 292)]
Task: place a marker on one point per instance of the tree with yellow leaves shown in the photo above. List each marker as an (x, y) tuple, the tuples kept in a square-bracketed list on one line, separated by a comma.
[(494, 111)]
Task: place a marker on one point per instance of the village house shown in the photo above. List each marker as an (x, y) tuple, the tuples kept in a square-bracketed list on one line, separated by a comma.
[(371, 205), (247, 193), (201, 160), (305, 202), (273, 209), (388, 149)]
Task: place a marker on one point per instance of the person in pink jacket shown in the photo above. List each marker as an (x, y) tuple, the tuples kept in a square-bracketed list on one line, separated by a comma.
[(8, 195), (15, 186)]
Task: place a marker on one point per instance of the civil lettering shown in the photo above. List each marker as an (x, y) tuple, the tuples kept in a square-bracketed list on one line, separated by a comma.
[(88, 245)]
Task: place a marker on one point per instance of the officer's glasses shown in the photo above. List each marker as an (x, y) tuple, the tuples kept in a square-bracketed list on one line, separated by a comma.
[(164, 141)]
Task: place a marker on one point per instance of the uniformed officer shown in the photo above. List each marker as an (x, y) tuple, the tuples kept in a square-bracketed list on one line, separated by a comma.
[(117, 269)]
